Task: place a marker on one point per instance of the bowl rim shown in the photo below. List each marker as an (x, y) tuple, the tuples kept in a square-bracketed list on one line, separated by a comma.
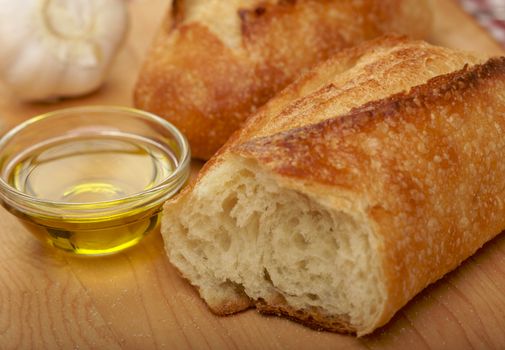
[(178, 176)]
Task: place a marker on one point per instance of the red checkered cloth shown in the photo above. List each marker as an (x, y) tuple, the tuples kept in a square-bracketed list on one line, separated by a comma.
[(490, 14)]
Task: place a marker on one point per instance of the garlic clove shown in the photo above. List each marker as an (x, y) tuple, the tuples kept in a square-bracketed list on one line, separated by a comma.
[(12, 36), (54, 48), (27, 78)]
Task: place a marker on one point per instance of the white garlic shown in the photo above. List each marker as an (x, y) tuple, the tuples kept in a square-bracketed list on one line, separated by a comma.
[(54, 48)]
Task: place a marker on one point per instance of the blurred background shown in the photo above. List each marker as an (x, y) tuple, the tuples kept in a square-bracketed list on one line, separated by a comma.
[(490, 14)]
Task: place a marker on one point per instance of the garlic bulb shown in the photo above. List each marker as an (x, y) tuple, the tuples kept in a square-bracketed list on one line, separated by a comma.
[(54, 48)]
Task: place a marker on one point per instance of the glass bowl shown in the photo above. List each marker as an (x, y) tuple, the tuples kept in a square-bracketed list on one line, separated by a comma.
[(92, 180)]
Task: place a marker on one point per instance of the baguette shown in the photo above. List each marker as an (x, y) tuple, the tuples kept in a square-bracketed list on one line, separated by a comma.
[(369, 178), (215, 62)]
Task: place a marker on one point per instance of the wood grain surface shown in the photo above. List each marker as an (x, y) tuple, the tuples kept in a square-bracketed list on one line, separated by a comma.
[(136, 300)]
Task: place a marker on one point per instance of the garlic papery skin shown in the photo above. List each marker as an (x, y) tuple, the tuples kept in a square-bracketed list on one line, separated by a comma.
[(58, 48)]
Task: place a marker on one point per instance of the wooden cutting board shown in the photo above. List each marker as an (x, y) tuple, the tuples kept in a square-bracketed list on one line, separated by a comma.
[(136, 300)]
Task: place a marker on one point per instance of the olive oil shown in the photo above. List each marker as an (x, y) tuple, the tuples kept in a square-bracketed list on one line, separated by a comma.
[(88, 171)]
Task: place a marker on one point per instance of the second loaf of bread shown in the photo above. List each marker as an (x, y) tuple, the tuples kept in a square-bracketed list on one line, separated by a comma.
[(215, 62)]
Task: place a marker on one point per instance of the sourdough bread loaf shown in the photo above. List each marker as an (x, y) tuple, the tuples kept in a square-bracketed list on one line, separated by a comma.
[(367, 179), (214, 62)]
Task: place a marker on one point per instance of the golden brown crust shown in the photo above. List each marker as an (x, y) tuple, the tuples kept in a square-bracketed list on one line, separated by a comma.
[(313, 318), (207, 88), (308, 318), (352, 77), (429, 165), (277, 306), (230, 306)]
